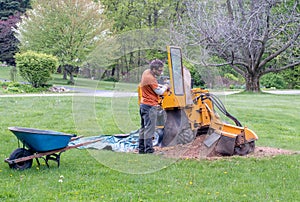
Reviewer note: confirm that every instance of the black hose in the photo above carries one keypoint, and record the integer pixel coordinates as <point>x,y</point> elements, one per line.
<point>218,103</point>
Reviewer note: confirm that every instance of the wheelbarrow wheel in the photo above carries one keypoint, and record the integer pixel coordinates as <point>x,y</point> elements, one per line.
<point>19,153</point>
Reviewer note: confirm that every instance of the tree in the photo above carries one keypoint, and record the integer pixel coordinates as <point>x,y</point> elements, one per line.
<point>254,37</point>
<point>9,17</point>
<point>128,15</point>
<point>67,29</point>
<point>8,42</point>
<point>12,7</point>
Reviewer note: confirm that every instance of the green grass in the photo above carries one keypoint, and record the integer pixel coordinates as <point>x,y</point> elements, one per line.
<point>275,118</point>
<point>93,84</point>
<point>235,180</point>
<point>91,175</point>
<point>57,80</point>
<point>5,72</point>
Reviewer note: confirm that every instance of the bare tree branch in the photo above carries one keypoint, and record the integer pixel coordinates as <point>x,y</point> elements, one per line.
<point>248,35</point>
<point>286,46</point>
<point>281,68</point>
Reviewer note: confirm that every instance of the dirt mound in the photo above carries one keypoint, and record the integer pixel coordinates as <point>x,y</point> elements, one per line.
<point>197,150</point>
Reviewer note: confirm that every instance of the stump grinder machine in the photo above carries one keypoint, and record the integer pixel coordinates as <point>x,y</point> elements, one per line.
<point>190,112</point>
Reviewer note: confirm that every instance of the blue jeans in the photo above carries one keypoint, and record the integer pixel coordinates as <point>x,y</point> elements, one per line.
<point>148,123</point>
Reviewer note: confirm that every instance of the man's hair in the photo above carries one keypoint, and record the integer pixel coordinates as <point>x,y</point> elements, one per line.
<point>155,64</point>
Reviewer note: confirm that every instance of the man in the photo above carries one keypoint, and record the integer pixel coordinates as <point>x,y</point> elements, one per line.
<point>149,92</point>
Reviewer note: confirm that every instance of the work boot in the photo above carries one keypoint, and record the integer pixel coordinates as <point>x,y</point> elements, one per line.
<point>149,146</point>
<point>141,146</point>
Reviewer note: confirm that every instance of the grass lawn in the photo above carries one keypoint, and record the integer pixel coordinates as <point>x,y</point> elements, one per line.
<point>5,72</point>
<point>94,84</point>
<point>57,80</point>
<point>90,175</point>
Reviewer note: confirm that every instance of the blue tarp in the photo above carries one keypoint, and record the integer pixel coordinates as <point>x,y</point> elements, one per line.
<point>119,143</point>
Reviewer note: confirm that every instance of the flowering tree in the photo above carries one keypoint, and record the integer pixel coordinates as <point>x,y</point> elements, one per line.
<point>12,7</point>
<point>9,16</point>
<point>8,42</point>
<point>67,29</point>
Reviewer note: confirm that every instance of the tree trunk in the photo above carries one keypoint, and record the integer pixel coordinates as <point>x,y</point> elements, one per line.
<point>65,74</point>
<point>113,71</point>
<point>69,69</point>
<point>71,78</point>
<point>252,83</point>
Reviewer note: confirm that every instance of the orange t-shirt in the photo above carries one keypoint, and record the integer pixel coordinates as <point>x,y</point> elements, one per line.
<point>147,85</point>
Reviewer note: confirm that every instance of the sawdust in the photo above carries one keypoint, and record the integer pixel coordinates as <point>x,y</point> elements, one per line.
<point>197,150</point>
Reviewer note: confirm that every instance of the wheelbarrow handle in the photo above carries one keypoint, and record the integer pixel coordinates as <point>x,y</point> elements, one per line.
<point>75,138</point>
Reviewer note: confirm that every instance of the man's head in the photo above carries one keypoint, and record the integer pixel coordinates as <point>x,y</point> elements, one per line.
<point>157,67</point>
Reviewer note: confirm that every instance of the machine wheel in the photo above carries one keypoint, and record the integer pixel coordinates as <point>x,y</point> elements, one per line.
<point>19,153</point>
<point>177,129</point>
<point>245,149</point>
<point>185,136</point>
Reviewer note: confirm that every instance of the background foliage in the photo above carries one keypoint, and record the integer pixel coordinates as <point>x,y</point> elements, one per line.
<point>9,16</point>
<point>124,16</point>
<point>68,30</point>
<point>252,37</point>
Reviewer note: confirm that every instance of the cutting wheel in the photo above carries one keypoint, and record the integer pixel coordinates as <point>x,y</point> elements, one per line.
<point>244,149</point>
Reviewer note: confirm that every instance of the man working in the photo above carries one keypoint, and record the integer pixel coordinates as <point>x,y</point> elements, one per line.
<point>150,90</point>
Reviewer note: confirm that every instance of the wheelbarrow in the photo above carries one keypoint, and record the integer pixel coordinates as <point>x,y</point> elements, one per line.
<point>45,144</point>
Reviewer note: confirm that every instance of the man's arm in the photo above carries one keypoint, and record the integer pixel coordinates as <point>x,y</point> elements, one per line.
<point>161,89</point>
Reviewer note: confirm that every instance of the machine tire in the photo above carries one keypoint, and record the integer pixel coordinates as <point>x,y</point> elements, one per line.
<point>177,129</point>
<point>245,149</point>
<point>185,136</point>
<point>19,153</point>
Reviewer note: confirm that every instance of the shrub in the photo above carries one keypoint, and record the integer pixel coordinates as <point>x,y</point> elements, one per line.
<point>15,87</point>
<point>195,74</point>
<point>231,77</point>
<point>36,68</point>
<point>112,79</point>
<point>273,80</point>
<point>292,77</point>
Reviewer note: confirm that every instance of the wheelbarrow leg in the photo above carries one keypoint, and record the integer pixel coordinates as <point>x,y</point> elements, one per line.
<point>46,160</point>
<point>53,157</point>
<point>38,162</point>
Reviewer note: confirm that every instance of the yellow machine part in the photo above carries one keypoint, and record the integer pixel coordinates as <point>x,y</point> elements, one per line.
<point>202,114</point>
<point>176,98</point>
<point>199,113</point>
<point>232,131</point>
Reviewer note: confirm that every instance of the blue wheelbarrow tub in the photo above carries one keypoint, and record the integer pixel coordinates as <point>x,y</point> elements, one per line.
<point>41,140</point>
